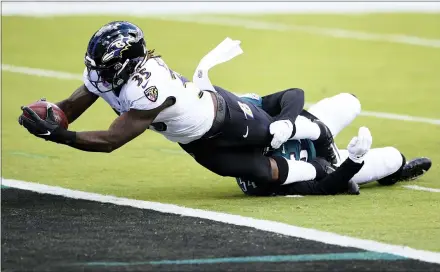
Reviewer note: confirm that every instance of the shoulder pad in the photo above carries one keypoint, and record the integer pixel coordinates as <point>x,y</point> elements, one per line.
<point>147,95</point>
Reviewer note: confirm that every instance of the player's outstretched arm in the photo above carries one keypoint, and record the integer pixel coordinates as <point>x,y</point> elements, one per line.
<point>126,127</point>
<point>80,100</point>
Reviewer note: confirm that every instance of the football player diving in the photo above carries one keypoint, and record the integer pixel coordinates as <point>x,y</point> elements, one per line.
<point>224,133</point>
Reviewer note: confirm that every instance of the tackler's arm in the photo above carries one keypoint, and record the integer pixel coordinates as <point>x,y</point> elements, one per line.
<point>285,105</point>
<point>332,180</point>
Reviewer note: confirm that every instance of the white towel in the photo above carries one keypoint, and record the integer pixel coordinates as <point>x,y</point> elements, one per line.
<point>225,51</point>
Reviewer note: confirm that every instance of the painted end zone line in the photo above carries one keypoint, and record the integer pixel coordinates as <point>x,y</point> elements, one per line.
<point>70,76</point>
<point>271,226</point>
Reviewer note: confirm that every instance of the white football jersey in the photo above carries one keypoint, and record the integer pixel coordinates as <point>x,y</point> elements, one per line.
<point>187,120</point>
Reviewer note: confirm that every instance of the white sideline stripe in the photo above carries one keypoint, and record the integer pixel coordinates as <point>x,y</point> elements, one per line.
<point>420,188</point>
<point>69,76</point>
<point>271,226</point>
<point>323,31</point>
<point>40,72</point>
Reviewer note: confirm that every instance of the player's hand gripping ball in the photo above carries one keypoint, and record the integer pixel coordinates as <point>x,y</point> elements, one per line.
<point>41,109</point>
<point>44,120</point>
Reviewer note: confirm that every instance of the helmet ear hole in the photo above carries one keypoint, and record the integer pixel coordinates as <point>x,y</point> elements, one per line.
<point>121,67</point>
<point>128,69</point>
<point>117,66</point>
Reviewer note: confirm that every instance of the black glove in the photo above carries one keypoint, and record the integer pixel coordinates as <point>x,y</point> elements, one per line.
<point>47,129</point>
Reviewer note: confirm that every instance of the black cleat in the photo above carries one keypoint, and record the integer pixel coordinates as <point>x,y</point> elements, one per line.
<point>415,168</point>
<point>411,170</point>
<point>325,145</point>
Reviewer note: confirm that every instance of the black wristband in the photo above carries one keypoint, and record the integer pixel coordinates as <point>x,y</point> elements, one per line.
<point>63,136</point>
<point>69,137</point>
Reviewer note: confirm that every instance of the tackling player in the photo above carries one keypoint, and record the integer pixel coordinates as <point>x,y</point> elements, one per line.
<point>385,165</point>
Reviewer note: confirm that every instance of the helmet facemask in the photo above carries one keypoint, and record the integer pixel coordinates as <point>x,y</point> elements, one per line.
<point>105,79</point>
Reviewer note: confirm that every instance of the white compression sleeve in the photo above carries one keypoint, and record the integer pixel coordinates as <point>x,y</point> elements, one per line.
<point>306,129</point>
<point>300,171</point>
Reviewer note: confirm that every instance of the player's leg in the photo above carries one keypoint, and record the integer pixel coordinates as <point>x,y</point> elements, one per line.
<point>336,181</point>
<point>309,187</point>
<point>332,114</point>
<point>260,175</point>
<point>388,166</point>
<point>337,112</point>
<point>246,162</point>
<point>411,170</point>
<point>251,164</point>
<point>252,188</point>
<point>378,164</point>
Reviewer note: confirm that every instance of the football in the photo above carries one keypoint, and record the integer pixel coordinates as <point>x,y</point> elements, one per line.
<point>40,108</point>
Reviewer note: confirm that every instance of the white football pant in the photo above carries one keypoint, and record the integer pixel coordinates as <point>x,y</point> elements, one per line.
<point>339,111</point>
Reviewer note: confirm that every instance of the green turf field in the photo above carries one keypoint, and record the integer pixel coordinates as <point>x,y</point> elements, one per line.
<point>387,77</point>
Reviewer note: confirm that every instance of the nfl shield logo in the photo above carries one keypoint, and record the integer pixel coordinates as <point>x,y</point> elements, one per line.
<point>152,93</point>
